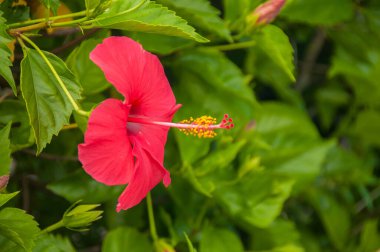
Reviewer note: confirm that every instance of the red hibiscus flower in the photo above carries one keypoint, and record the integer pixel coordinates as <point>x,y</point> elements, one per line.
<point>124,142</point>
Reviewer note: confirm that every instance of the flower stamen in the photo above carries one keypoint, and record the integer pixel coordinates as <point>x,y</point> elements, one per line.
<point>202,127</point>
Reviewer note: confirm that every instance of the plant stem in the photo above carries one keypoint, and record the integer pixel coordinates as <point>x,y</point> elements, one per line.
<point>59,80</point>
<point>34,21</point>
<point>235,46</point>
<point>152,224</point>
<point>69,23</point>
<point>53,227</point>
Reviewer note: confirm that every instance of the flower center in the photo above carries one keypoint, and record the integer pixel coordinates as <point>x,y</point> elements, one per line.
<point>202,127</point>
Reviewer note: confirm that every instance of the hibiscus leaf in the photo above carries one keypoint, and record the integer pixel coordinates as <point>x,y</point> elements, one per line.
<point>220,240</point>
<point>318,12</point>
<point>53,243</point>
<point>199,13</point>
<point>5,197</point>
<point>5,53</point>
<point>90,76</point>
<point>276,45</point>
<point>51,5</point>
<point>126,239</point>
<point>17,230</point>
<point>47,104</point>
<point>145,16</point>
<point>5,152</point>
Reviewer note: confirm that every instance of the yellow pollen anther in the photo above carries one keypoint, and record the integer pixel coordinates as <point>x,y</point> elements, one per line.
<point>201,128</point>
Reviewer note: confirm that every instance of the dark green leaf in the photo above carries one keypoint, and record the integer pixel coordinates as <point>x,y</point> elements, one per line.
<point>90,76</point>
<point>5,53</point>
<point>80,186</point>
<point>220,240</point>
<point>201,14</point>
<point>318,12</point>
<point>17,230</point>
<point>21,134</point>
<point>47,104</point>
<point>145,16</point>
<point>126,239</point>
<point>334,216</point>
<point>161,44</point>
<point>256,199</point>
<point>5,151</point>
<point>51,243</point>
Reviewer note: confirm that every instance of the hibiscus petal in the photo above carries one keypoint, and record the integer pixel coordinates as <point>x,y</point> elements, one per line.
<point>149,172</point>
<point>137,74</point>
<point>106,153</point>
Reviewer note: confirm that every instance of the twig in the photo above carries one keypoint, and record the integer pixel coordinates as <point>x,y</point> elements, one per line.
<point>311,56</point>
<point>362,204</point>
<point>25,193</point>
<point>49,156</point>
<point>74,42</point>
<point>7,92</point>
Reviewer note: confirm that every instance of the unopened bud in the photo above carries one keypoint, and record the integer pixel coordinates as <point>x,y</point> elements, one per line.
<point>3,182</point>
<point>265,13</point>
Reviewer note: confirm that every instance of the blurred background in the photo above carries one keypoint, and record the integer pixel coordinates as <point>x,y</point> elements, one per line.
<point>300,170</point>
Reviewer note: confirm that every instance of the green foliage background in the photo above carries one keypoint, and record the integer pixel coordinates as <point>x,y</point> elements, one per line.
<point>299,172</point>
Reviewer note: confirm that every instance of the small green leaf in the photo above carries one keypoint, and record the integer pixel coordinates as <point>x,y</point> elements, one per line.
<point>5,53</point>
<point>5,151</point>
<point>220,240</point>
<point>91,4</point>
<point>126,239</point>
<point>53,243</point>
<point>51,5</point>
<point>5,197</point>
<point>274,42</point>
<point>145,16</point>
<point>17,230</point>
<point>47,104</point>
<point>90,76</point>
<point>201,14</point>
<point>189,244</point>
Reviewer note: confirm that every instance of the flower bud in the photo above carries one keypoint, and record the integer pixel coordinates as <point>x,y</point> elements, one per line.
<point>79,217</point>
<point>265,13</point>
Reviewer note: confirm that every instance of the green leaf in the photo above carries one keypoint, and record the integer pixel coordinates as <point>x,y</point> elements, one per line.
<point>366,127</point>
<point>208,81</point>
<point>5,197</point>
<point>261,207</point>
<point>220,240</point>
<point>5,53</point>
<point>370,236</point>
<point>80,186</point>
<point>21,134</point>
<point>17,230</point>
<point>189,244</point>
<point>89,75</point>
<point>126,239</point>
<point>145,16</point>
<point>201,14</point>
<point>91,4</point>
<point>274,42</point>
<point>160,44</point>
<point>334,216</point>
<point>51,5</point>
<point>53,243</point>
<point>318,12</point>
<point>5,152</point>
<point>47,104</point>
